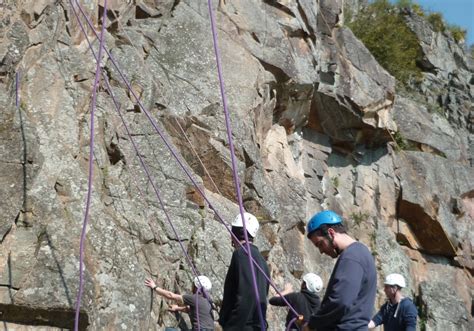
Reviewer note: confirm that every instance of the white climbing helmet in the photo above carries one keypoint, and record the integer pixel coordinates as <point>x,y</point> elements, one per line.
<point>251,223</point>
<point>204,282</point>
<point>314,283</point>
<point>395,279</point>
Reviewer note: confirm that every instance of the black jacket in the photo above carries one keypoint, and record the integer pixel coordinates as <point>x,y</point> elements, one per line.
<point>239,309</point>
<point>305,303</point>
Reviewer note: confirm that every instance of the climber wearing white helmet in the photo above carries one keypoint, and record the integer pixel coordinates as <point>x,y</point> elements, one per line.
<point>306,302</point>
<point>239,310</point>
<point>189,302</point>
<point>398,313</point>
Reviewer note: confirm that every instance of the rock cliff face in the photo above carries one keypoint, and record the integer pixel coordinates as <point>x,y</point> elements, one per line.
<point>314,119</point>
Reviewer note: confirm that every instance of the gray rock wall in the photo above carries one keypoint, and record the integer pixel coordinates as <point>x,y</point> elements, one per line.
<point>314,120</point>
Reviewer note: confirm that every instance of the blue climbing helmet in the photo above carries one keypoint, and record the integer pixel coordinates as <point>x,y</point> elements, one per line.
<point>320,218</point>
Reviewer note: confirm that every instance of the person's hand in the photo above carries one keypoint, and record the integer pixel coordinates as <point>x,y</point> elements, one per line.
<point>300,321</point>
<point>173,308</point>
<point>288,288</point>
<point>150,283</point>
<point>371,324</point>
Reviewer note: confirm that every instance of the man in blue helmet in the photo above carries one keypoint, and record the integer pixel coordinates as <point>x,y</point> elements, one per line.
<point>350,294</point>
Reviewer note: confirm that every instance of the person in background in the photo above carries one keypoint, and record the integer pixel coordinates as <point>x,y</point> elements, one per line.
<point>189,302</point>
<point>350,293</point>
<point>306,302</point>
<point>398,313</point>
<point>239,311</point>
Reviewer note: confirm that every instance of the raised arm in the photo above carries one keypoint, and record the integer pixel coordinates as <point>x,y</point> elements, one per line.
<point>277,300</point>
<point>177,308</point>
<point>164,293</point>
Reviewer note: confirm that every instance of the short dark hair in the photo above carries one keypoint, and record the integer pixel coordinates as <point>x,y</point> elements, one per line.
<point>398,287</point>
<point>323,229</point>
<point>239,233</point>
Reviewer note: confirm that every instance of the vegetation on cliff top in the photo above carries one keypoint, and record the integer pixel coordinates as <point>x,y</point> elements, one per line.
<point>381,26</point>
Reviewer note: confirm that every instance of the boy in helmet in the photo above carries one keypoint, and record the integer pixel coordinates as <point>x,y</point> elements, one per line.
<point>306,302</point>
<point>239,310</point>
<point>398,313</point>
<point>350,293</point>
<point>189,303</point>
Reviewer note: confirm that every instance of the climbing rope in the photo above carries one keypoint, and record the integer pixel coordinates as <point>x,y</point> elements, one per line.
<point>140,159</point>
<point>91,170</point>
<point>292,322</point>
<point>234,164</point>
<point>183,133</point>
<point>175,154</point>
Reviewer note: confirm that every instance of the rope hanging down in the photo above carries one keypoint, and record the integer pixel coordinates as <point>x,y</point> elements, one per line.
<point>234,165</point>
<point>129,39</point>
<point>137,152</point>
<point>144,166</point>
<point>91,170</point>
<point>174,153</point>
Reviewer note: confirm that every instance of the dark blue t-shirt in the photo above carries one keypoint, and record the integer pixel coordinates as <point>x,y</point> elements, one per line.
<point>350,294</point>
<point>395,318</point>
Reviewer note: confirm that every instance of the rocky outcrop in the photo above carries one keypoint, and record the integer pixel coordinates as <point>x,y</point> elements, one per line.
<point>448,77</point>
<point>442,299</point>
<point>429,132</point>
<point>434,214</point>
<point>313,116</point>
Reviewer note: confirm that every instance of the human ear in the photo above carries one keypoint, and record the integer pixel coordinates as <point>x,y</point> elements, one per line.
<point>331,234</point>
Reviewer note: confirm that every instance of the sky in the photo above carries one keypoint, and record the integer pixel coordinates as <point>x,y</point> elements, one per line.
<point>459,12</point>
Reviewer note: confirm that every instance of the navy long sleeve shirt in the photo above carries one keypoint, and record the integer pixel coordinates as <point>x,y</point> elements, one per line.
<point>350,294</point>
<point>396,318</point>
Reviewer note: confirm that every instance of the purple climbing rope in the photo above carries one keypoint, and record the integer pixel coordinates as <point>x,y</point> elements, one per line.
<point>234,164</point>
<point>150,179</point>
<point>143,164</point>
<point>175,154</point>
<point>293,320</point>
<point>91,170</point>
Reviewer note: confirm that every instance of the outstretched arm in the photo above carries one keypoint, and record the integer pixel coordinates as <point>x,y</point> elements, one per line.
<point>378,318</point>
<point>164,293</point>
<point>278,300</point>
<point>287,290</point>
<point>179,308</point>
